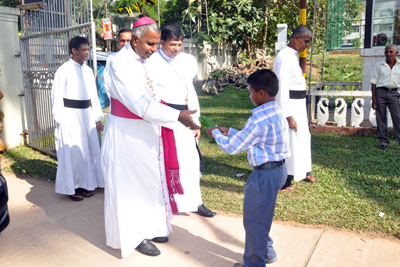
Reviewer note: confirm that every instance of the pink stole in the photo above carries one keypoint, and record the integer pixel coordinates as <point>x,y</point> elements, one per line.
<point>171,163</point>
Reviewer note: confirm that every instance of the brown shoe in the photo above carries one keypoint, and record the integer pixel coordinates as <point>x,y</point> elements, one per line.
<point>310,179</point>
<point>289,188</point>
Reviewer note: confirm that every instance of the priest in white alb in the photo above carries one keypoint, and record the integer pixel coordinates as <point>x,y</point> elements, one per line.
<point>292,100</point>
<point>139,159</point>
<point>175,72</point>
<point>77,112</point>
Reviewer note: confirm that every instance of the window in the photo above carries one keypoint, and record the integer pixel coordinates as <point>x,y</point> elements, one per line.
<point>386,13</point>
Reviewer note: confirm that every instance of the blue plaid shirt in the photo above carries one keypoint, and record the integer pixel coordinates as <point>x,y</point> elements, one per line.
<point>265,136</point>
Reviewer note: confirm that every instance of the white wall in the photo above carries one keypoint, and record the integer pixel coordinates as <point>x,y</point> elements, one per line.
<point>11,78</point>
<point>217,57</point>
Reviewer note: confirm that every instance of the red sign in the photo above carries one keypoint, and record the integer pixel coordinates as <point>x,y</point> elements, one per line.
<point>107,31</point>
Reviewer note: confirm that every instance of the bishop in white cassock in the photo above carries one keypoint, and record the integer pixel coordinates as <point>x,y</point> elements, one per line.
<point>291,99</point>
<point>138,205</point>
<point>175,72</point>
<point>77,112</point>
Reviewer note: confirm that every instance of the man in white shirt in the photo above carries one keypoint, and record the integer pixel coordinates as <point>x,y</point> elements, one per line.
<point>174,76</point>
<point>76,109</point>
<point>292,100</point>
<point>385,82</point>
<point>140,182</point>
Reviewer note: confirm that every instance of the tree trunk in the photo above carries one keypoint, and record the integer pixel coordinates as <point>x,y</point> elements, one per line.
<point>199,17</point>
<point>264,40</point>
<point>247,47</point>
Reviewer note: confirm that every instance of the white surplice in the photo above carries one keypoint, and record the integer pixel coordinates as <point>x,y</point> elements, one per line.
<point>77,142</point>
<point>290,75</point>
<point>174,79</point>
<point>136,204</point>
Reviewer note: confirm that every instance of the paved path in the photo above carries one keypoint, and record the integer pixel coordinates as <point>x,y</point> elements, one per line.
<point>48,229</point>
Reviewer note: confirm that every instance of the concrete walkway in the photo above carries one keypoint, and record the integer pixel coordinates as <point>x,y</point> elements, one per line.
<point>48,229</point>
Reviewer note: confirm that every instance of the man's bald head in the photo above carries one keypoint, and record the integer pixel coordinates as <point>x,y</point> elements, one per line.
<point>395,47</point>
<point>301,38</point>
<point>391,54</point>
<point>300,32</point>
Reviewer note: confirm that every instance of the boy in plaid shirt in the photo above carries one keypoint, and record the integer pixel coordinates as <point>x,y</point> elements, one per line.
<point>265,138</point>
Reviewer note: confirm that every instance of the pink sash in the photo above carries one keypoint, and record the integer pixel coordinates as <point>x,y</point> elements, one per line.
<point>171,163</point>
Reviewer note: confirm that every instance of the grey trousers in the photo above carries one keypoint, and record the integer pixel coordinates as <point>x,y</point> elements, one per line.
<point>391,100</point>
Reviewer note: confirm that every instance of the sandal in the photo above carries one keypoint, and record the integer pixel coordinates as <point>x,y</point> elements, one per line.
<point>289,188</point>
<point>310,179</point>
<point>84,192</point>
<point>76,197</point>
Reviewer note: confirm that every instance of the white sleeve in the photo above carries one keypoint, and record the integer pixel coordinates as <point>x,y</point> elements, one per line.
<point>129,88</point>
<point>193,100</point>
<point>282,70</point>
<point>57,95</point>
<point>105,76</point>
<point>94,98</point>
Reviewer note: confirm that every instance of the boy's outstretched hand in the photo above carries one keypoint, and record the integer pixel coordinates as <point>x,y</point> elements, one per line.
<point>224,130</point>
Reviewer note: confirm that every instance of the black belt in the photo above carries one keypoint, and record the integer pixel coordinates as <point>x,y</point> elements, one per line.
<point>178,107</point>
<point>388,89</point>
<point>70,103</point>
<point>270,165</point>
<point>185,107</point>
<point>297,94</point>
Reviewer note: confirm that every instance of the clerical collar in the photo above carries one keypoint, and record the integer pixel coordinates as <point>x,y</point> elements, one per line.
<point>167,58</point>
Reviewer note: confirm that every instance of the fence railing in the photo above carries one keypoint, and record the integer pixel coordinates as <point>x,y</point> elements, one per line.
<point>322,100</point>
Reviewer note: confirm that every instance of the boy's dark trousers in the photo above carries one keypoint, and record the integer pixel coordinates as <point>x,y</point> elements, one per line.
<point>260,194</point>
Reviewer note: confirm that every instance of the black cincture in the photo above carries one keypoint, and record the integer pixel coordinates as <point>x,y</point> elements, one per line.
<point>185,107</point>
<point>270,165</point>
<point>81,104</point>
<point>297,94</point>
<point>178,107</point>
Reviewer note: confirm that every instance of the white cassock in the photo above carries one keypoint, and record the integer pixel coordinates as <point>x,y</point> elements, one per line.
<point>77,142</point>
<point>136,204</point>
<point>174,78</point>
<point>290,75</point>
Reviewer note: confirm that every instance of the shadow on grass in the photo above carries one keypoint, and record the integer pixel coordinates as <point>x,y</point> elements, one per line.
<point>27,161</point>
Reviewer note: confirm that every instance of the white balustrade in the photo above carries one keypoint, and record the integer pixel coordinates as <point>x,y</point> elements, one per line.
<point>340,112</point>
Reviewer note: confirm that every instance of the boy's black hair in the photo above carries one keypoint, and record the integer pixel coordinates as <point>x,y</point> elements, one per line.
<point>123,30</point>
<point>265,80</point>
<point>76,42</point>
<point>171,32</point>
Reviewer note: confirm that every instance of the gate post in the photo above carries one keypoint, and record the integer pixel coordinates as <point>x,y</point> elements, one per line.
<point>11,83</point>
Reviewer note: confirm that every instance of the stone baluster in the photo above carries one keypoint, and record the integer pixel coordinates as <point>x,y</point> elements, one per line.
<point>357,112</point>
<point>322,112</point>
<point>340,112</point>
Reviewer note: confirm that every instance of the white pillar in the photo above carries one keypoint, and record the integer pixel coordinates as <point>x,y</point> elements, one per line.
<point>11,83</point>
<point>282,37</point>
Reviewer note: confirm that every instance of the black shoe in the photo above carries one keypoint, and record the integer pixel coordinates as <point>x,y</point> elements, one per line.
<point>383,147</point>
<point>161,239</point>
<point>269,261</point>
<point>148,248</point>
<point>203,211</point>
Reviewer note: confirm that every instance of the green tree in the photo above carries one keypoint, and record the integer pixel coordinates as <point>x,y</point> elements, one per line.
<point>356,42</point>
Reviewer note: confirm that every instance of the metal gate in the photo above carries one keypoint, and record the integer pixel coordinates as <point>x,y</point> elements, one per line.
<point>46,30</point>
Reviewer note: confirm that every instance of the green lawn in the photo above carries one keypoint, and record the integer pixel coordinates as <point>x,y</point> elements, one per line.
<point>356,181</point>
